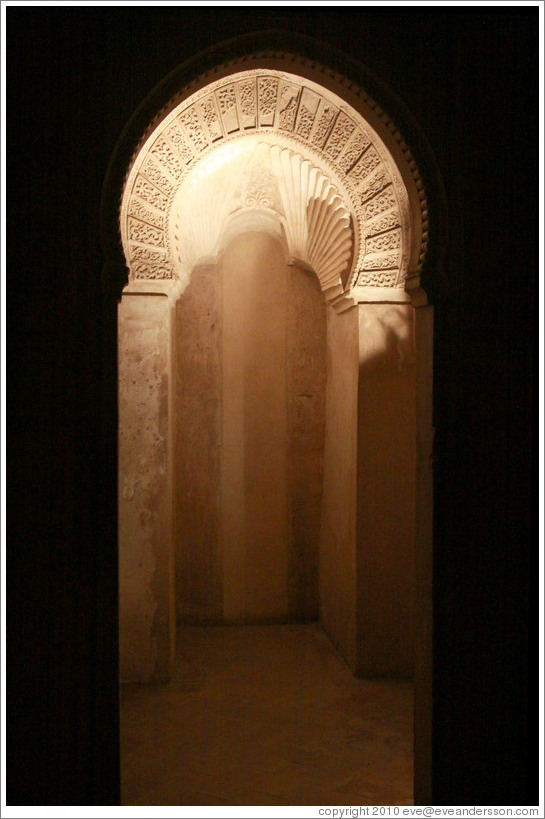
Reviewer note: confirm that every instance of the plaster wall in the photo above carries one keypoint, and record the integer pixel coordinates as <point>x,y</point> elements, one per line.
<point>386,490</point>
<point>144,488</point>
<point>254,495</point>
<point>338,530</point>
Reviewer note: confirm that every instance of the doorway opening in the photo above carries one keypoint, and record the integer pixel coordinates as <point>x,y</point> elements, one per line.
<point>275,354</point>
<point>251,366</point>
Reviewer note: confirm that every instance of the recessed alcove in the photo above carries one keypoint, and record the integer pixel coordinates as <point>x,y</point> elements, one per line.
<point>250,417</point>
<point>275,378</point>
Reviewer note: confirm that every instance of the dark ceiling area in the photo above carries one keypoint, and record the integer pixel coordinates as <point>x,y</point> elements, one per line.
<point>75,76</point>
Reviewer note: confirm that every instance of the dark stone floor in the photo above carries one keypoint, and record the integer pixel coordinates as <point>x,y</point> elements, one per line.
<point>265,715</point>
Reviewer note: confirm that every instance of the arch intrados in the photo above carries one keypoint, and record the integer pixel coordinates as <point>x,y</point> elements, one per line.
<point>253,220</point>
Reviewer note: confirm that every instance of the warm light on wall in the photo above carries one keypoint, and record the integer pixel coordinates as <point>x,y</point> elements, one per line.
<point>267,152</point>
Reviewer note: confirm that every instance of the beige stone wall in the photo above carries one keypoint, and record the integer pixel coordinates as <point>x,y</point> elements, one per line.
<point>338,533</point>
<point>367,571</point>
<point>197,378</point>
<point>386,490</point>
<point>306,357</point>
<point>144,499</point>
<point>250,376</point>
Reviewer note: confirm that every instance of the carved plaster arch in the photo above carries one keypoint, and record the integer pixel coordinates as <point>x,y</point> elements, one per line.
<point>290,117</point>
<point>293,148</point>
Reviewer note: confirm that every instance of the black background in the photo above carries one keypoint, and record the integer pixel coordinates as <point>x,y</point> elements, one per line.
<point>74,78</point>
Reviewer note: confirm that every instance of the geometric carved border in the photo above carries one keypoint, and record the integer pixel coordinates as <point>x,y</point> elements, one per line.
<point>294,113</point>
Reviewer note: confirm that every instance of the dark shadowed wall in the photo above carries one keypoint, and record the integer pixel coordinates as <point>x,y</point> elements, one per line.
<point>74,77</point>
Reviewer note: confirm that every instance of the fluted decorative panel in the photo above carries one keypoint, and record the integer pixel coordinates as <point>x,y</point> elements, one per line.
<point>317,222</point>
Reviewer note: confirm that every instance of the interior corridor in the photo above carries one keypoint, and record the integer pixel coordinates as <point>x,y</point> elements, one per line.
<point>265,715</point>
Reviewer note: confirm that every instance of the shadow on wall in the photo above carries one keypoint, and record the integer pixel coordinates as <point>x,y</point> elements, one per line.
<point>387,344</point>
<point>386,492</point>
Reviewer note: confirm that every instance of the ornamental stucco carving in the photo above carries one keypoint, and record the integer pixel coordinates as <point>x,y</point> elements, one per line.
<point>275,142</point>
<point>318,224</point>
<point>263,186</point>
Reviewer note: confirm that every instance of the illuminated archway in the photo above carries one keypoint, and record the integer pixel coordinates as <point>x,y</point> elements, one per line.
<point>311,143</point>
<point>278,142</point>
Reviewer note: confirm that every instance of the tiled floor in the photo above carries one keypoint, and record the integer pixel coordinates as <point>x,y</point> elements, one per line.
<point>265,715</point>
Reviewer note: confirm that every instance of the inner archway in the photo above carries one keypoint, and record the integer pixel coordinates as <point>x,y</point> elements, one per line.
<point>324,180</point>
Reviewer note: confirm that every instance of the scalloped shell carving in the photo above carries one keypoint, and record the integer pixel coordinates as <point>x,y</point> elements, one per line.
<point>257,176</point>
<point>317,222</point>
